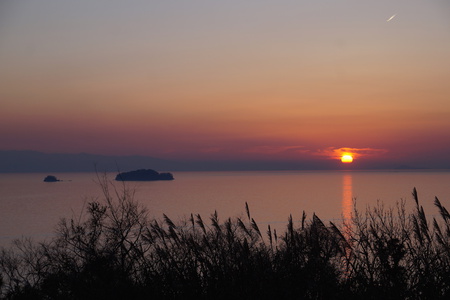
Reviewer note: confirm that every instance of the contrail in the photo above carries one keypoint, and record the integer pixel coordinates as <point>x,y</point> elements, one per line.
<point>391,18</point>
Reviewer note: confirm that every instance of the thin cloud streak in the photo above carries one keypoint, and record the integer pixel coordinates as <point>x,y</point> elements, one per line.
<point>275,149</point>
<point>393,16</point>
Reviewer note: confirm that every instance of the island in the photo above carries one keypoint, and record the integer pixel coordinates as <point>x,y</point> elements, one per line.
<point>143,175</point>
<point>51,178</point>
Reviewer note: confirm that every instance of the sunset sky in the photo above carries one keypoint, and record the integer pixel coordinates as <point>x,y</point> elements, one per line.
<point>228,80</point>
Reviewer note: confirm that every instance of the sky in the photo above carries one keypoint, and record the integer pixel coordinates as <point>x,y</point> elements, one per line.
<point>266,81</point>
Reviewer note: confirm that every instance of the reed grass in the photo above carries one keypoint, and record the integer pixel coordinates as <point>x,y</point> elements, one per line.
<point>115,251</point>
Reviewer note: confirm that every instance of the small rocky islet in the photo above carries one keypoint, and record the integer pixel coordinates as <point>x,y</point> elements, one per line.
<point>51,178</point>
<point>143,175</point>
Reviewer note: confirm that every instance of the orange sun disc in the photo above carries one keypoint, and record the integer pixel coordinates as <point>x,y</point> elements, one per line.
<point>346,158</point>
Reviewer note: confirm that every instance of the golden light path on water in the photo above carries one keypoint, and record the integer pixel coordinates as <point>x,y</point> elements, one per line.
<point>347,204</point>
<point>347,195</point>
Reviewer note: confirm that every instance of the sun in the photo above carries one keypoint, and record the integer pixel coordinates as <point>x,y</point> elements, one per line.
<point>347,158</point>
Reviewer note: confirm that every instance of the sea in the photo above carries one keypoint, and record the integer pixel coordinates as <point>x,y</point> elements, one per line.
<point>32,208</point>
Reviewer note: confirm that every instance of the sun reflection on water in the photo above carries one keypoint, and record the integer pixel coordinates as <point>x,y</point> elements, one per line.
<point>347,205</point>
<point>347,196</point>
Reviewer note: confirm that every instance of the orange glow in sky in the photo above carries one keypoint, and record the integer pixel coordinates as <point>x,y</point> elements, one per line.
<point>297,81</point>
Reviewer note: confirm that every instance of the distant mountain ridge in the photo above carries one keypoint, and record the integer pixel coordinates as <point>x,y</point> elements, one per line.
<point>18,161</point>
<point>28,161</point>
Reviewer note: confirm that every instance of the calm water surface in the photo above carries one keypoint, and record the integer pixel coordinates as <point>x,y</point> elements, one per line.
<point>31,207</point>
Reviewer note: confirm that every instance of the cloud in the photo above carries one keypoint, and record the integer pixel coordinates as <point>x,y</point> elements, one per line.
<point>336,153</point>
<point>275,149</point>
<point>391,18</point>
<point>211,150</point>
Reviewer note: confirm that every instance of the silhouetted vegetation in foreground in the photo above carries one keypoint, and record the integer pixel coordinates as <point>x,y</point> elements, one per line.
<point>116,251</point>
